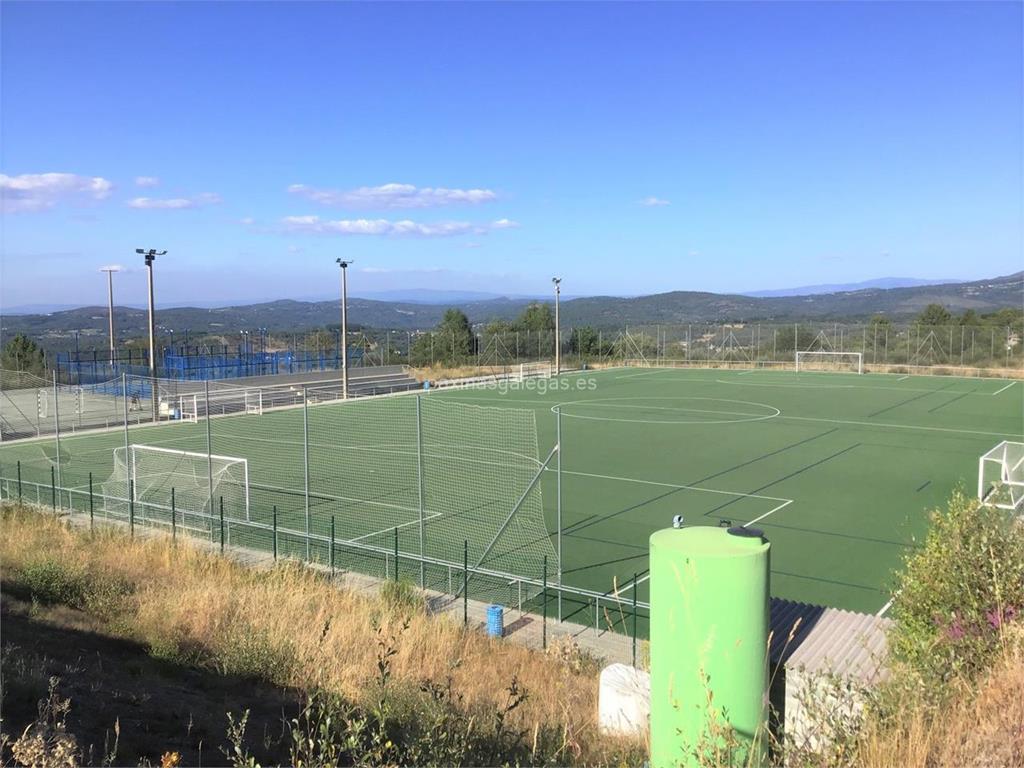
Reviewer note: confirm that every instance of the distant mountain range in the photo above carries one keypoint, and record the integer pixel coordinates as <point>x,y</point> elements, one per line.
<point>881,282</point>
<point>598,311</point>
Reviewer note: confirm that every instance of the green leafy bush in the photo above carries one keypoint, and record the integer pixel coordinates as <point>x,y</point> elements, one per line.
<point>52,582</point>
<point>956,594</point>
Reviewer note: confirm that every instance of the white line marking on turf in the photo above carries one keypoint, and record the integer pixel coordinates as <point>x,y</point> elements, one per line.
<point>427,519</point>
<point>769,512</point>
<point>903,378</point>
<point>629,586</point>
<point>1004,388</point>
<point>902,426</point>
<point>885,608</point>
<point>674,485</point>
<point>647,373</point>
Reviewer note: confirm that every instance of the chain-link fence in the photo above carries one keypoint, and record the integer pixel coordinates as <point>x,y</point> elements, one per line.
<point>882,345</point>
<point>412,475</point>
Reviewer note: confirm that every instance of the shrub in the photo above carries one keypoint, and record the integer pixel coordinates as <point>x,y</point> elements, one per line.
<point>957,592</point>
<point>402,596</point>
<point>53,582</point>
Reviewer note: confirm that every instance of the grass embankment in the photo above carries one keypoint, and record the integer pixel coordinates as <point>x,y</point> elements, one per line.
<point>353,677</point>
<point>955,696</point>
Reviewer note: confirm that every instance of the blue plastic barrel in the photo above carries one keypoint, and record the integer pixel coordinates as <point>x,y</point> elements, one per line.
<point>495,620</point>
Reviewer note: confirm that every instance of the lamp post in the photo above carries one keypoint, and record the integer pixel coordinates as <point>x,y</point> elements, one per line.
<point>557,281</point>
<point>150,256</point>
<point>110,306</point>
<point>344,326</point>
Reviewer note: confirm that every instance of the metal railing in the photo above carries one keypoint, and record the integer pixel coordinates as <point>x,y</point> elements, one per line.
<point>621,612</point>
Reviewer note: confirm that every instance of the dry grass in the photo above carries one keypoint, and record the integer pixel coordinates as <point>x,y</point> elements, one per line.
<point>981,725</point>
<point>292,627</point>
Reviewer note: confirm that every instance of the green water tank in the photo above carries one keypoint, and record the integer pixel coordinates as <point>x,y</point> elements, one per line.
<point>709,644</point>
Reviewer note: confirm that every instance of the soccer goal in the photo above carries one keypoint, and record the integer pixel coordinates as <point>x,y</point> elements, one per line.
<point>536,370</point>
<point>147,475</point>
<point>188,408</point>
<point>836,362</point>
<point>254,401</point>
<point>1001,476</point>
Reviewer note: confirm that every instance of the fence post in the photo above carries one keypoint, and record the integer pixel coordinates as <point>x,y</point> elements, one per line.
<point>53,489</point>
<point>634,619</point>
<point>396,553</point>
<point>131,507</point>
<point>209,451</point>
<point>174,518</point>
<point>90,503</point>
<point>465,582</point>
<point>56,424</point>
<point>275,533</point>
<point>222,524</point>
<point>305,460</point>
<point>544,603</point>
<point>19,481</point>
<point>419,473</point>
<point>332,546</point>
<point>558,503</point>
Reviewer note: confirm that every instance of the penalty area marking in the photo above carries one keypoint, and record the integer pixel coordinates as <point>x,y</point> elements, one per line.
<point>1004,388</point>
<point>885,608</point>
<point>784,501</point>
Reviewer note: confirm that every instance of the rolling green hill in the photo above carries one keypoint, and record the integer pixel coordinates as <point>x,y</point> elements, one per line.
<point>597,311</point>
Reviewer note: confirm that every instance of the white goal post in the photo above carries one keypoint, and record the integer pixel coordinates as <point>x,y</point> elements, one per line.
<point>188,408</point>
<point>147,475</point>
<point>254,401</point>
<point>847,362</point>
<point>1001,476</point>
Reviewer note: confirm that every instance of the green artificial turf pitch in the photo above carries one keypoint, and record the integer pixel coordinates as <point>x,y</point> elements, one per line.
<point>839,470</point>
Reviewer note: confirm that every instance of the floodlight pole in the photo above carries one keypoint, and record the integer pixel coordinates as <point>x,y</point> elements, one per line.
<point>150,256</point>
<point>344,326</point>
<point>110,306</point>
<point>558,340</point>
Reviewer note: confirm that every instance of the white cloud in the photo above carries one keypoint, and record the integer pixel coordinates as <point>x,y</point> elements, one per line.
<point>175,203</point>
<point>654,202</point>
<point>247,221</point>
<point>388,227</point>
<point>504,224</point>
<point>393,196</point>
<point>147,181</point>
<point>41,191</point>
<point>404,227</point>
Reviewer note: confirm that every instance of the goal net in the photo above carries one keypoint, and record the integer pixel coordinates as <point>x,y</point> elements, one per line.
<point>254,401</point>
<point>147,474</point>
<point>836,362</point>
<point>537,370</point>
<point>1001,476</point>
<point>188,408</point>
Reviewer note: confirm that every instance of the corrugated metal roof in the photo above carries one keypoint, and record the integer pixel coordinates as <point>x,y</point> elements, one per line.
<point>817,639</point>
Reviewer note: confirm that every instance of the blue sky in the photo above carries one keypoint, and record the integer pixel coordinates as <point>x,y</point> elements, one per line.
<point>629,148</point>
